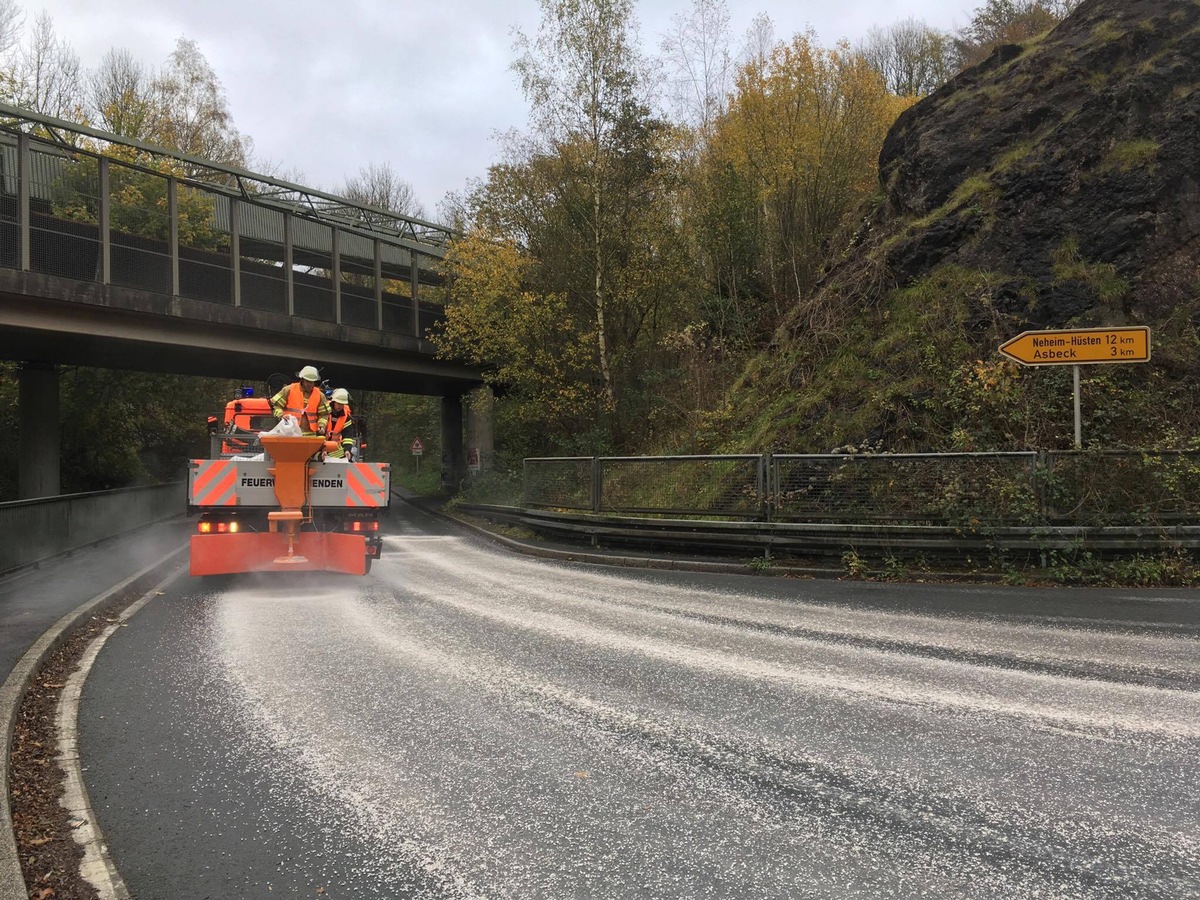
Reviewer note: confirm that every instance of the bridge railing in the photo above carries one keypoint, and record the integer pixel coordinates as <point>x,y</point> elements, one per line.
<point>80,214</point>
<point>34,530</point>
<point>974,490</point>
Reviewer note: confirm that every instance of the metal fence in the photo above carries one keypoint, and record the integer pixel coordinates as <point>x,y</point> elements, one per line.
<point>82,215</point>
<point>974,490</point>
<point>33,530</point>
<point>905,487</point>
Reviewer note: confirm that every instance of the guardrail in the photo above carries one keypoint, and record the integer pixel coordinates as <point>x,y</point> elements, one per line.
<point>35,530</point>
<point>832,540</point>
<point>968,490</point>
<point>219,235</point>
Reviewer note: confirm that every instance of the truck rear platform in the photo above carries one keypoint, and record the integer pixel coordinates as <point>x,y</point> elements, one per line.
<point>290,510</point>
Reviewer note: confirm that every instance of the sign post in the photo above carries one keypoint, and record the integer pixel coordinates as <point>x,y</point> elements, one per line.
<point>1078,346</point>
<point>417,449</point>
<point>1079,415</point>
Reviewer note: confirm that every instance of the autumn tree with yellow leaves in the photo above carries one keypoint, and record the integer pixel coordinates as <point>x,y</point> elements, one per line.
<point>528,340</point>
<point>640,256</point>
<point>794,158</point>
<point>589,200</point>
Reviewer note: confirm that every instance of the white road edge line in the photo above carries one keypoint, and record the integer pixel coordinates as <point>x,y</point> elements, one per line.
<point>96,867</point>
<point>12,881</point>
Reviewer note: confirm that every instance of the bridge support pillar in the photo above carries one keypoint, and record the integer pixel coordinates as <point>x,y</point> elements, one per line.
<point>452,443</point>
<point>39,433</point>
<point>480,430</point>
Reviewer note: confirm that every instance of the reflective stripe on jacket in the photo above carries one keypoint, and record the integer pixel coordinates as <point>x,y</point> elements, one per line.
<point>312,414</point>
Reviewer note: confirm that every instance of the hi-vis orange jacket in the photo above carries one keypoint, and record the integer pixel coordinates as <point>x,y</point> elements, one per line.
<point>312,415</point>
<point>343,432</point>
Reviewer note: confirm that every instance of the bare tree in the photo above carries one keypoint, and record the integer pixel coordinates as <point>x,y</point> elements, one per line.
<point>196,119</point>
<point>454,209</point>
<point>999,22</point>
<point>697,53</point>
<point>121,94</point>
<point>379,185</point>
<point>12,22</point>
<point>913,58</point>
<point>758,43</point>
<point>47,73</point>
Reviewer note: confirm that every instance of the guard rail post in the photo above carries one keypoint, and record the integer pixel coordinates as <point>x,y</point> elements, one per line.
<point>289,274</point>
<point>235,251</point>
<point>1039,477</point>
<point>335,275</point>
<point>414,287</point>
<point>597,490</point>
<point>1041,469</point>
<point>173,231</point>
<point>105,223</point>
<point>378,285</point>
<point>770,479</point>
<point>764,479</point>
<point>24,187</point>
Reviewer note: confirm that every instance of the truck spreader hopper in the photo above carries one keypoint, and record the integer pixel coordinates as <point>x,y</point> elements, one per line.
<point>291,473</point>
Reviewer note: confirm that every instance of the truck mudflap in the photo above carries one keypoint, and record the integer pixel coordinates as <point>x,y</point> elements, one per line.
<point>267,551</point>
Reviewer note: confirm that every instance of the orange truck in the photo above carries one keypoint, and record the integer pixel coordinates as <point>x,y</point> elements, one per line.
<point>272,503</point>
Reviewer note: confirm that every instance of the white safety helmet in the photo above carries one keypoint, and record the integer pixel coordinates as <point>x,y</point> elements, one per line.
<point>341,395</point>
<point>309,373</point>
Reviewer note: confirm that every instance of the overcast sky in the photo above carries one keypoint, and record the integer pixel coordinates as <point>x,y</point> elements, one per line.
<point>323,88</point>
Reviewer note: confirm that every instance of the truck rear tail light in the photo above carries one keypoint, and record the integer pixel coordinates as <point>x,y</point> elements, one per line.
<point>209,527</point>
<point>364,525</point>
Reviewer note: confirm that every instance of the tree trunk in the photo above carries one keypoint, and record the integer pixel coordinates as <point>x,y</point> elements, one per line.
<point>601,335</point>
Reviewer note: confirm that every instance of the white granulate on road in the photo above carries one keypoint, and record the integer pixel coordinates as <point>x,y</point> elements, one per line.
<point>482,725</point>
<point>1062,702</point>
<point>1060,645</point>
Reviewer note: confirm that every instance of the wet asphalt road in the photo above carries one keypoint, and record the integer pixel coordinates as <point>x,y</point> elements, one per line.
<point>464,722</point>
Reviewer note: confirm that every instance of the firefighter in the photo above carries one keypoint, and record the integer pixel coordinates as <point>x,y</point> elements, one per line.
<point>304,402</point>
<point>342,430</point>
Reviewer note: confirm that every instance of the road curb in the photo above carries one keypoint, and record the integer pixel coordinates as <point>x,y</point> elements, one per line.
<point>97,867</point>
<point>12,881</point>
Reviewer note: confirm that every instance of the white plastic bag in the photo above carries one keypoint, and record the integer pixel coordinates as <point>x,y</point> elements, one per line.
<point>287,427</point>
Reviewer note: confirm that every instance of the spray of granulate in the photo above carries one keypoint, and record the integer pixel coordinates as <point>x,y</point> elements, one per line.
<point>512,729</point>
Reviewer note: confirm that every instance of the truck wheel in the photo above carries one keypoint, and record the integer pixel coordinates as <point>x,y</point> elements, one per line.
<point>368,569</point>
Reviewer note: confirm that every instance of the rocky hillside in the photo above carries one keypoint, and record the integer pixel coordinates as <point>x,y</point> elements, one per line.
<point>1057,184</point>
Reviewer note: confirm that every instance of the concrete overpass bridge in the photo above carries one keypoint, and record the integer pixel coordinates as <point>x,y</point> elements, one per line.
<point>117,254</point>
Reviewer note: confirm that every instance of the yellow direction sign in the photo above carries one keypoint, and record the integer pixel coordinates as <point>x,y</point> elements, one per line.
<point>1079,346</point>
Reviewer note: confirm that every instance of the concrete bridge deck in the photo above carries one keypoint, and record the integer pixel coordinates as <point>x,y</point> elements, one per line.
<point>121,255</point>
